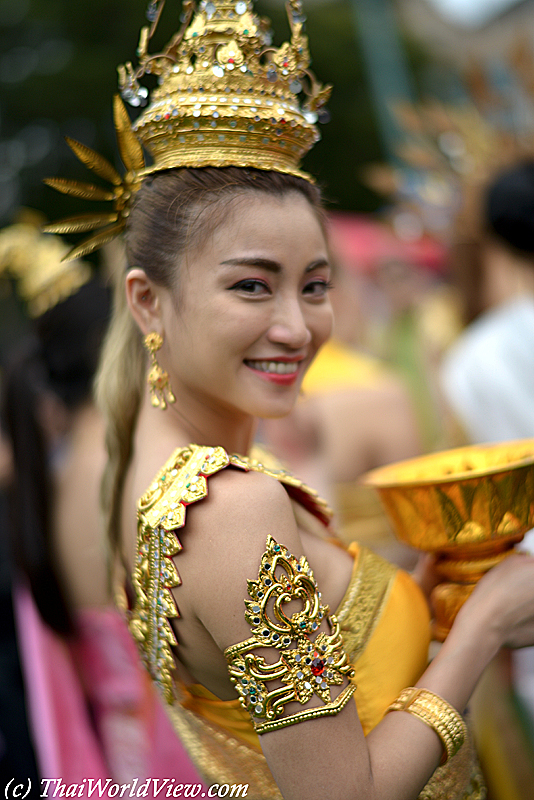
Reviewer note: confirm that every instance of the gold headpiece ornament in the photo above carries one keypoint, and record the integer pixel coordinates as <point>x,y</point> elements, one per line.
<point>225,97</point>
<point>35,261</point>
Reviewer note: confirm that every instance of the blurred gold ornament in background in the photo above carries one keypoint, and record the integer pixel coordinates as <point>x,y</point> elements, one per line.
<point>35,261</point>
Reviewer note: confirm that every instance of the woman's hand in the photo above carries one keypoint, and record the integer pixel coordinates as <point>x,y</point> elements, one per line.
<point>425,574</point>
<point>503,602</point>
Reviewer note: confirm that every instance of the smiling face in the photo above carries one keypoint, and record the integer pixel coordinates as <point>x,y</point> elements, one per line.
<point>250,309</point>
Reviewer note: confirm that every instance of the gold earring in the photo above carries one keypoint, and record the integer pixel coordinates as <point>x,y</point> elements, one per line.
<point>157,378</point>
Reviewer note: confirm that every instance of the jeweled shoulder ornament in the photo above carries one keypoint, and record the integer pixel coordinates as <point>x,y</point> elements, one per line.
<point>225,97</point>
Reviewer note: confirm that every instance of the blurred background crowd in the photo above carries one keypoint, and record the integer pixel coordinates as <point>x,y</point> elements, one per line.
<point>428,166</point>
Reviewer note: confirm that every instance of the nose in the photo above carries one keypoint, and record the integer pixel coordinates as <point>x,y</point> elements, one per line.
<point>289,326</point>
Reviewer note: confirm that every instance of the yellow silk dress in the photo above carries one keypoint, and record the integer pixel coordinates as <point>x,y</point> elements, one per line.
<point>383,617</point>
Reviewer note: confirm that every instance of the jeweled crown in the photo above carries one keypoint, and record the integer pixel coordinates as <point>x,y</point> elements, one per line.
<point>225,97</point>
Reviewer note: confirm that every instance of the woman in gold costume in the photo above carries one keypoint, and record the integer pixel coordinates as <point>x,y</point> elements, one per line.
<point>278,652</point>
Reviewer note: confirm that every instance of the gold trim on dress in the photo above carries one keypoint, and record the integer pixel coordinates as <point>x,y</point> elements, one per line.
<point>365,598</point>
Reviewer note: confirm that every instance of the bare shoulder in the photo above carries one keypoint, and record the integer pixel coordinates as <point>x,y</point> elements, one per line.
<point>224,539</point>
<point>239,505</point>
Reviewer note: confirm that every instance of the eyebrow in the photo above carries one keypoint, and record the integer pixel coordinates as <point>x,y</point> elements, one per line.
<point>270,265</point>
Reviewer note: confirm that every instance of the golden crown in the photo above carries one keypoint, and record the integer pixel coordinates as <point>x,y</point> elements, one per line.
<point>225,97</point>
<point>36,263</point>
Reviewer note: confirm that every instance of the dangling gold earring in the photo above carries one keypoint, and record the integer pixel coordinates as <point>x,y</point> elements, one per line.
<point>157,378</point>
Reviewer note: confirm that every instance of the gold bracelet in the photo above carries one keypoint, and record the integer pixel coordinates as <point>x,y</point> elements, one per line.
<point>437,713</point>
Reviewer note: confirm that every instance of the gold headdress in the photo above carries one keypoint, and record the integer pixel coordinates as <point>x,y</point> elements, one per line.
<point>225,97</point>
<point>34,260</point>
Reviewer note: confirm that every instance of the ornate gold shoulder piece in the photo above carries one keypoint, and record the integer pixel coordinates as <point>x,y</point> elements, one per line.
<point>263,461</point>
<point>307,664</point>
<point>182,481</point>
<point>160,512</point>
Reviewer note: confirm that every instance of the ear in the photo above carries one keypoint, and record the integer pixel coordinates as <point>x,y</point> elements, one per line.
<point>143,300</point>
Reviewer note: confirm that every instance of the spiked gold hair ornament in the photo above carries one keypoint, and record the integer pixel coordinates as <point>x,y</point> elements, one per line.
<point>158,378</point>
<point>225,97</point>
<point>35,262</point>
<point>123,188</point>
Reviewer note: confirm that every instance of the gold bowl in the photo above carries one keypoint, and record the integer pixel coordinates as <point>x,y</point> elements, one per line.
<point>468,506</point>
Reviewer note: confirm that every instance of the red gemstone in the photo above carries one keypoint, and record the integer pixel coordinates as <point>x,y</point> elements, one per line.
<point>231,61</point>
<point>167,115</point>
<point>317,665</point>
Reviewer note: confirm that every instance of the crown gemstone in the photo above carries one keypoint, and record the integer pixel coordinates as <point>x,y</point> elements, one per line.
<point>152,11</point>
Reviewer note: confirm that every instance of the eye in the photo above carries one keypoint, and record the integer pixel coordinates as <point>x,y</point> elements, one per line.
<point>318,288</point>
<point>252,287</point>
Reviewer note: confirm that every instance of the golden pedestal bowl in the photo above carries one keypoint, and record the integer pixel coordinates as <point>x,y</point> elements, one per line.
<point>468,506</point>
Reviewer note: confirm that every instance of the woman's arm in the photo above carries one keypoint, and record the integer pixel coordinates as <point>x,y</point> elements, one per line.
<point>329,756</point>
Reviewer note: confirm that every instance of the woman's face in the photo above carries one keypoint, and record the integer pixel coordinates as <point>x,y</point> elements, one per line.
<point>250,309</point>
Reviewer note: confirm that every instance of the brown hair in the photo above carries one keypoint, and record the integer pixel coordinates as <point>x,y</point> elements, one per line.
<point>58,357</point>
<point>168,219</point>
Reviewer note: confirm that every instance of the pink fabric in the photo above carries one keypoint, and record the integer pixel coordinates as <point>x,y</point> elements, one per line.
<point>361,243</point>
<point>65,743</point>
<point>127,735</point>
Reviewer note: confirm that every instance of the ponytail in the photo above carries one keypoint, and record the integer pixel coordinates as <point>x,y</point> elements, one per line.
<point>118,390</point>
